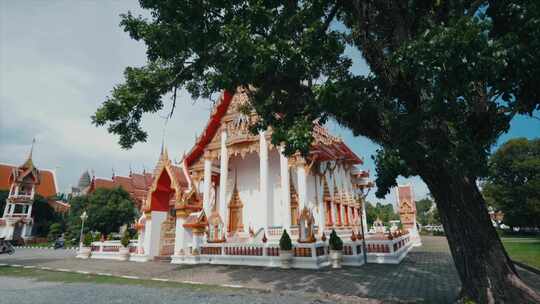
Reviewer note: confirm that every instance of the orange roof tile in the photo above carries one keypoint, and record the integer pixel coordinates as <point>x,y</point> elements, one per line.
<point>46,187</point>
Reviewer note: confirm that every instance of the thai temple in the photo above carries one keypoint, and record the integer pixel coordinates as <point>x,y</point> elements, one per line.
<point>24,182</point>
<point>234,193</point>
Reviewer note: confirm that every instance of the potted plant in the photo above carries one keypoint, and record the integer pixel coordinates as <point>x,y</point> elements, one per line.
<point>124,250</point>
<point>336,247</point>
<point>285,250</point>
<point>85,250</point>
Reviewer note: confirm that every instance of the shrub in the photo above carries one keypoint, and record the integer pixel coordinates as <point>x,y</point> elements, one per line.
<point>335,241</point>
<point>55,230</point>
<point>97,237</point>
<point>285,241</point>
<point>438,233</point>
<point>87,240</point>
<point>125,238</point>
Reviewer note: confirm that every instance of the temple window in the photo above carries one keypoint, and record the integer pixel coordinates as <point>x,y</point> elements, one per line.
<point>347,216</point>
<point>18,209</point>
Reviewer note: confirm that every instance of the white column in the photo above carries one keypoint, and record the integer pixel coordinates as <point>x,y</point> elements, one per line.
<point>29,211</point>
<point>223,177</point>
<point>207,184</point>
<point>263,167</point>
<point>285,190</point>
<point>179,243</point>
<point>333,208</point>
<point>302,184</point>
<point>153,233</point>
<point>321,203</point>
<point>6,210</point>
<point>23,233</point>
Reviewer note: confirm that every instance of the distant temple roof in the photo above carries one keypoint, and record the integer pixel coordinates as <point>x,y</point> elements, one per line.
<point>136,184</point>
<point>47,180</point>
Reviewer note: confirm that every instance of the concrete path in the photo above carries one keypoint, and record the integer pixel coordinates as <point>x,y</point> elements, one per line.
<point>426,275</point>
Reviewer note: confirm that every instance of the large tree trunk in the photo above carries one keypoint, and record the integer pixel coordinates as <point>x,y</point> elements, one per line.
<point>487,274</point>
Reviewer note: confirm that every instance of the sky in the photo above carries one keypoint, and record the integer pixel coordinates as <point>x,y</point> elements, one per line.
<point>59,61</point>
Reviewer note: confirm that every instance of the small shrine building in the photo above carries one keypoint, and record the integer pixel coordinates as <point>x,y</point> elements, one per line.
<point>24,182</point>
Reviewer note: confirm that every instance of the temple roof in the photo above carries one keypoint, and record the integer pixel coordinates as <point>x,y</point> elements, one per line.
<point>46,187</point>
<point>136,184</point>
<point>84,180</point>
<point>324,147</point>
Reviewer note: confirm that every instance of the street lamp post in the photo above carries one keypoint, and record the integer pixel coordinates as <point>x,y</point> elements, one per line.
<point>84,216</point>
<point>363,199</point>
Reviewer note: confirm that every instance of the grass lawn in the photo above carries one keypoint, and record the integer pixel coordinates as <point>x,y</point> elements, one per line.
<point>69,277</point>
<point>523,249</point>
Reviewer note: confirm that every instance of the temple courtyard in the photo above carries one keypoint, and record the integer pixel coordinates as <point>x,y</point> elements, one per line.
<point>426,275</point>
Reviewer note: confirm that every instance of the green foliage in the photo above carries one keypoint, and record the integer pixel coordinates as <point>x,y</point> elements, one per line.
<point>424,213</point>
<point>107,210</point>
<point>385,212</point>
<point>87,240</point>
<point>125,238</point>
<point>335,241</point>
<point>55,230</point>
<point>438,233</point>
<point>440,92</point>
<point>44,216</point>
<point>285,241</point>
<point>77,206</point>
<point>513,184</point>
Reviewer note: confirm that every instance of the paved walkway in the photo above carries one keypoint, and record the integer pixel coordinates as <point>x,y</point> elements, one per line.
<point>426,275</point>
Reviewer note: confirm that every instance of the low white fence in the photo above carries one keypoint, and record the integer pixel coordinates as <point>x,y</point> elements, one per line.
<point>110,250</point>
<point>305,255</point>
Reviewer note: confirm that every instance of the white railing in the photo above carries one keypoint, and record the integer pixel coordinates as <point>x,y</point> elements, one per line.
<point>111,248</point>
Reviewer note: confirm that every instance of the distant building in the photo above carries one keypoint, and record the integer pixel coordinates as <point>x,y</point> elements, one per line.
<point>23,183</point>
<point>136,184</point>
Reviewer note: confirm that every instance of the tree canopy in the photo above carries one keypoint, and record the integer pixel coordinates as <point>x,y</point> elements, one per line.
<point>107,209</point>
<point>384,212</point>
<point>446,77</point>
<point>513,183</point>
<point>425,213</point>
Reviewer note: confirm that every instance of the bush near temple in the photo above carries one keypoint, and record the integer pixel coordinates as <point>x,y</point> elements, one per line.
<point>335,241</point>
<point>107,210</point>
<point>125,238</point>
<point>87,240</point>
<point>285,241</point>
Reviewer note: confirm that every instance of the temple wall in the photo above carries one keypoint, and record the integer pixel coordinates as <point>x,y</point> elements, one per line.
<point>247,170</point>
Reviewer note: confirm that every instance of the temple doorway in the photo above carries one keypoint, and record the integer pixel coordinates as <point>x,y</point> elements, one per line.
<point>167,236</point>
<point>163,201</point>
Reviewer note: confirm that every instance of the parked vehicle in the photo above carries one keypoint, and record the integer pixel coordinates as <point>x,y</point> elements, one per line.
<point>59,243</point>
<point>6,247</point>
